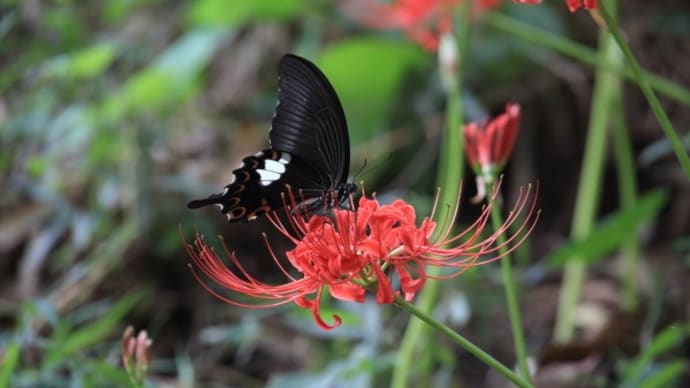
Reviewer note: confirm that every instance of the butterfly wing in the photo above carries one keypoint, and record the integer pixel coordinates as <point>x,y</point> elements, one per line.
<point>256,186</point>
<point>310,149</point>
<point>309,123</point>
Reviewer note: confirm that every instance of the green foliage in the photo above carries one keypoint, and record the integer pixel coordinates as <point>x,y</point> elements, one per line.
<point>609,234</point>
<point>668,375</point>
<point>10,359</point>
<point>100,373</point>
<point>36,165</point>
<point>367,89</point>
<point>169,80</point>
<point>116,11</point>
<point>61,19</point>
<point>68,340</point>
<point>237,13</point>
<point>356,370</point>
<point>645,372</point>
<point>74,341</point>
<point>84,64</point>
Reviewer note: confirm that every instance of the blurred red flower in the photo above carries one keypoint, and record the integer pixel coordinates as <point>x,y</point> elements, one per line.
<point>573,5</point>
<point>357,251</point>
<point>424,21</point>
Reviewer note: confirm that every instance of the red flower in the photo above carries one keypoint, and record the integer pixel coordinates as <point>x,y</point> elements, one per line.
<point>573,5</point>
<point>488,146</point>
<point>353,252</point>
<point>424,21</point>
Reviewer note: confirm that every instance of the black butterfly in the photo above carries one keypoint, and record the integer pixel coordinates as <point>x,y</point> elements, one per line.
<point>309,154</point>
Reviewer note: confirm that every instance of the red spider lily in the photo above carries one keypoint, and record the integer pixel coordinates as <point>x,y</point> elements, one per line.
<point>357,251</point>
<point>424,21</point>
<point>489,145</point>
<point>573,5</point>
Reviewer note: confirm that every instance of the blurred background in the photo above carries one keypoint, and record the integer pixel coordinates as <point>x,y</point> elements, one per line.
<point>113,115</point>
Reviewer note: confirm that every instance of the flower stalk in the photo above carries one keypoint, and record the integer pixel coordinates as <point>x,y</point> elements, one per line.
<point>464,343</point>
<point>589,187</point>
<point>512,297</point>
<point>644,84</point>
<point>450,173</point>
<point>627,187</point>
<point>489,144</point>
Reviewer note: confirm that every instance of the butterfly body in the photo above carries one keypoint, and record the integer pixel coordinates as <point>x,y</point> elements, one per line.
<point>309,154</point>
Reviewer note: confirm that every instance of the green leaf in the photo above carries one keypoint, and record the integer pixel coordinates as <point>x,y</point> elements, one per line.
<point>101,373</point>
<point>9,362</point>
<point>116,11</point>
<point>66,24</point>
<point>666,340</point>
<point>169,79</point>
<point>92,61</point>
<point>367,74</point>
<point>92,333</point>
<point>237,13</point>
<point>151,88</point>
<point>609,234</point>
<point>667,376</point>
<point>84,64</point>
<point>191,53</point>
<point>36,165</point>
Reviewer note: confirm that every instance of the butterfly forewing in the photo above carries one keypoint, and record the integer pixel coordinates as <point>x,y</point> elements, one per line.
<point>310,150</point>
<point>309,121</point>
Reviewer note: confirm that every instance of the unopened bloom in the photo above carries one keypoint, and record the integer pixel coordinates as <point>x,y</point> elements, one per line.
<point>356,251</point>
<point>136,355</point>
<point>573,5</point>
<point>488,146</point>
<point>424,21</point>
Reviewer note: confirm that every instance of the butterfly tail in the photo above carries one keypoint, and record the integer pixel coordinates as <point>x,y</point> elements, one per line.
<point>214,199</point>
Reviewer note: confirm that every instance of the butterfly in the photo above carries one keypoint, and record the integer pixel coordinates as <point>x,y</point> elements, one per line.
<point>309,151</point>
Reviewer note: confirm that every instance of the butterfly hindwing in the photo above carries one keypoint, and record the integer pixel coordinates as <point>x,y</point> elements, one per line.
<point>310,151</point>
<point>255,188</point>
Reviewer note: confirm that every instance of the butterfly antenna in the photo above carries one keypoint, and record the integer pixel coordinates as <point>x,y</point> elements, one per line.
<point>364,171</point>
<point>360,171</point>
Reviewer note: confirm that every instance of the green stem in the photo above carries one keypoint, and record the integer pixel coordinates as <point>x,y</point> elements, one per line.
<point>463,342</point>
<point>451,166</point>
<point>627,186</point>
<point>545,38</point>
<point>589,187</point>
<point>512,299</point>
<point>644,84</point>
